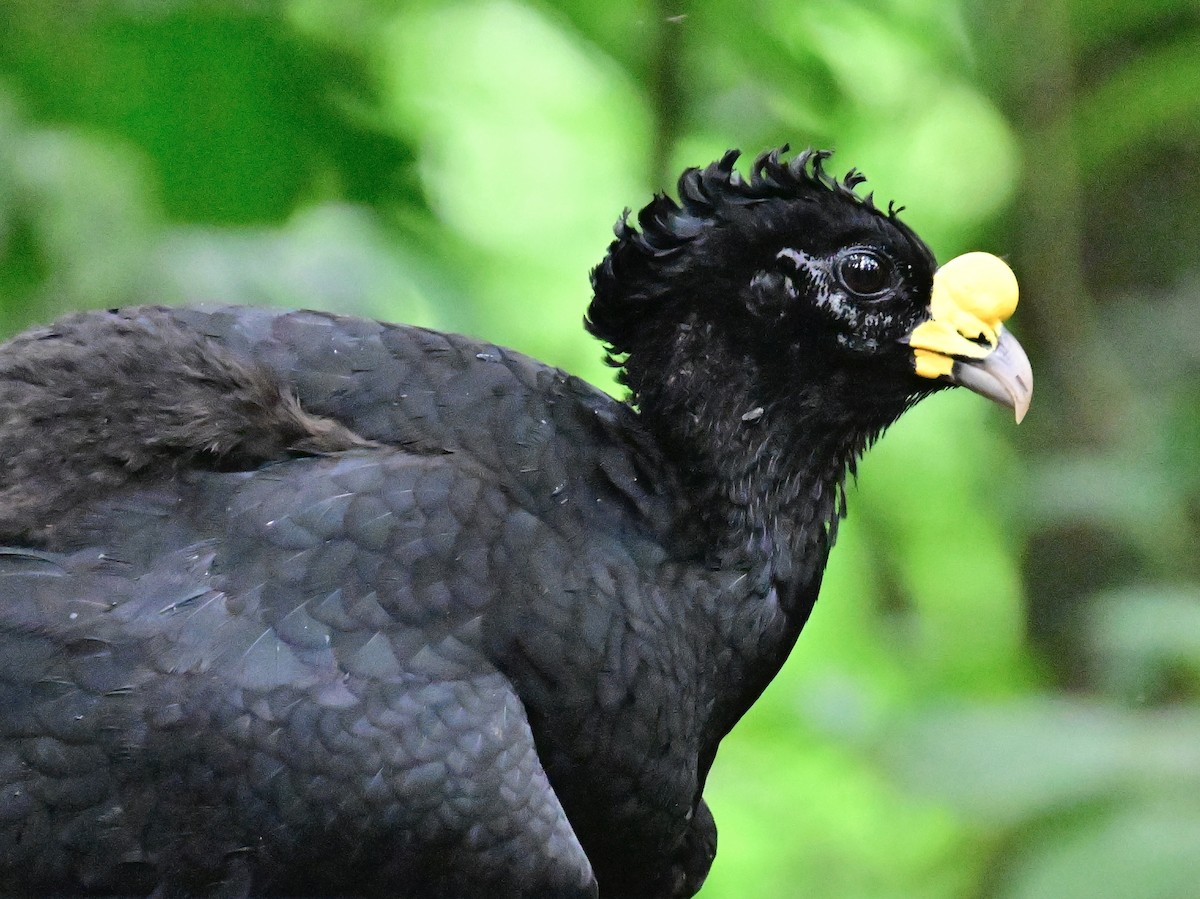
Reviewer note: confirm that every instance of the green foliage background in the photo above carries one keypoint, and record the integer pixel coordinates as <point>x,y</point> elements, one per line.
<point>999,692</point>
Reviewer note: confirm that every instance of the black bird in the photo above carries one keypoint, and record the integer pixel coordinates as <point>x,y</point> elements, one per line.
<point>293,604</point>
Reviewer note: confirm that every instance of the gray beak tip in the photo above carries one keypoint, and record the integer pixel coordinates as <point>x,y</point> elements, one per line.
<point>1003,376</point>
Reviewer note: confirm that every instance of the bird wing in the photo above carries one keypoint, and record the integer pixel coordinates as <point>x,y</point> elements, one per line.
<point>243,663</point>
<point>550,438</point>
<point>286,611</point>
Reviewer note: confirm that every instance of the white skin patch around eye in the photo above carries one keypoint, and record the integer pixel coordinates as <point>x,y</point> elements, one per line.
<point>802,261</point>
<point>830,297</point>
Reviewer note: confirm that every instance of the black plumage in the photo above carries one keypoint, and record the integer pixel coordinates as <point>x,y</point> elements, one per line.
<point>294,604</point>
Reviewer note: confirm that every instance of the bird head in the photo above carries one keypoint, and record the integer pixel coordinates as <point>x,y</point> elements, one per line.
<point>827,297</point>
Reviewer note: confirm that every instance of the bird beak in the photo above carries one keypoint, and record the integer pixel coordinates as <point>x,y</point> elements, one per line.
<point>964,340</point>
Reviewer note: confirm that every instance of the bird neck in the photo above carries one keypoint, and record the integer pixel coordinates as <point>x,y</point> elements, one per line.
<point>762,468</point>
<point>762,471</point>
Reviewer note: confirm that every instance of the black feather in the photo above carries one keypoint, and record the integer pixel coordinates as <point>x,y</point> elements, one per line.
<point>304,605</point>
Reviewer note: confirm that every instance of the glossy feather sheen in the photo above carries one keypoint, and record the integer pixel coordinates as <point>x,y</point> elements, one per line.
<point>342,608</point>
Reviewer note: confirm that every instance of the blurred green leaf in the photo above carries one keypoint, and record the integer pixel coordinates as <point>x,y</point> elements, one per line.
<point>1007,765</point>
<point>801,818</point>
<point>1096,22</point>
<point>328,257</point>
<point>527,160</point>
<point>1144,639</point>
<point>1147,850</point>
<point>77,224</point>
<point>1152,96</point>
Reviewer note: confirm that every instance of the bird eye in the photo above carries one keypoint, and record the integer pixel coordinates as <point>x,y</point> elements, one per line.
<point>864,272</point>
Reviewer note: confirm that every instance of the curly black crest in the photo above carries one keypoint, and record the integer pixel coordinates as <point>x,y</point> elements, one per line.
<point>667,226</point>
<point>640,265</point>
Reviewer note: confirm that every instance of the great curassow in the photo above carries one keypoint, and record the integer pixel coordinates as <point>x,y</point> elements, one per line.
<point>293,604</point>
